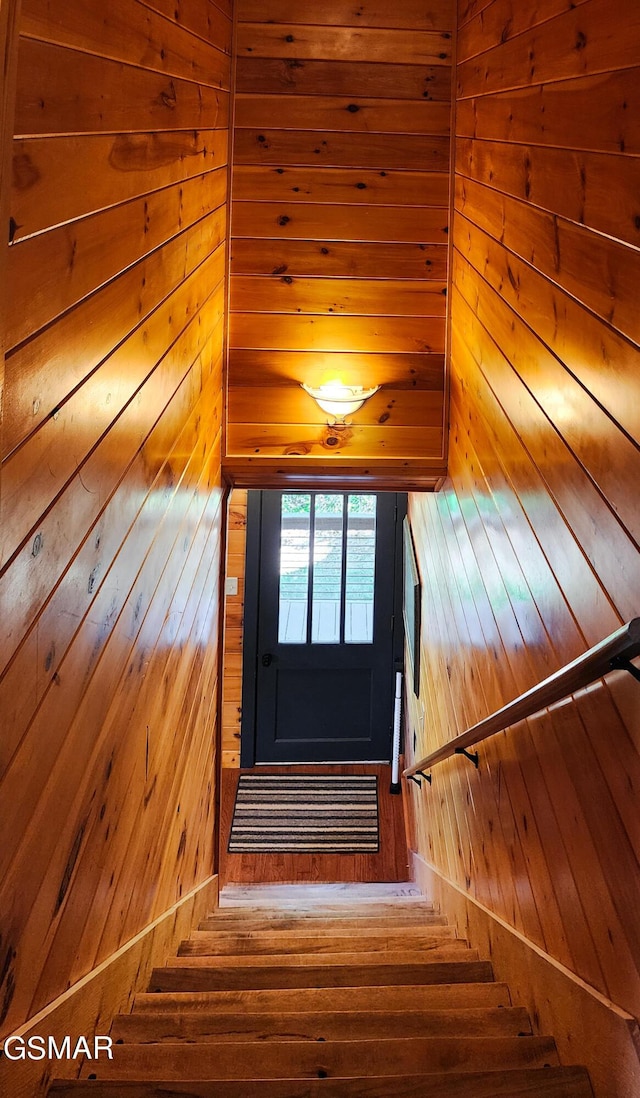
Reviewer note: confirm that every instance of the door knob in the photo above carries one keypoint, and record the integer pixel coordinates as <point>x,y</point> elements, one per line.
<point>266,659</point>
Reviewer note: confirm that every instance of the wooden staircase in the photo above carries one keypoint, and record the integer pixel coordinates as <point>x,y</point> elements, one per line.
<point>320,991</point>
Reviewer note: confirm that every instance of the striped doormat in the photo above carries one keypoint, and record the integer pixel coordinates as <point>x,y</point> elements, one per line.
<point>305,814</point>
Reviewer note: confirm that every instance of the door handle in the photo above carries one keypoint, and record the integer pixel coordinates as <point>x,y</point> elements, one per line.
<point>266,659</point>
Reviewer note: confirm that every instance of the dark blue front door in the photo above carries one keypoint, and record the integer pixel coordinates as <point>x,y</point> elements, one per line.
<point>325,597</point>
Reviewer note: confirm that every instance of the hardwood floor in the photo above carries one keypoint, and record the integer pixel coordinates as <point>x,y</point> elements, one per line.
<point>390,864</point>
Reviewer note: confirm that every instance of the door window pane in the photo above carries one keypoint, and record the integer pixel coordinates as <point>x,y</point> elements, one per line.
<point>327,569</point>
<point>360,570</point>
<point>295,530</point>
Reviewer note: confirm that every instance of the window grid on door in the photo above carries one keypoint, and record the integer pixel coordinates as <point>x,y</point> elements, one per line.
<point>327,568</point>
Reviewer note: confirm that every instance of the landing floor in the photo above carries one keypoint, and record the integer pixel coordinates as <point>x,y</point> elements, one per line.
<point>390,864</point>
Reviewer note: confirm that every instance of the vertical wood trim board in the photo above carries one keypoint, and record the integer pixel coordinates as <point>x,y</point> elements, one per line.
<point>233,633</point>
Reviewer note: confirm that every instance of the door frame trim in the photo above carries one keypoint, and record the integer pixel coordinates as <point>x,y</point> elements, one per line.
<point>250,629</point>
<point>251,609</point>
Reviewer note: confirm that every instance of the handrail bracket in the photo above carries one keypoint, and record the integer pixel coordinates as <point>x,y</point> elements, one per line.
<point>414,778</point>
<point>619,663</point>
<point>472,756</point>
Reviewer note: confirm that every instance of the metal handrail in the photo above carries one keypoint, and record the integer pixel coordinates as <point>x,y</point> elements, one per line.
<point>613,653</point>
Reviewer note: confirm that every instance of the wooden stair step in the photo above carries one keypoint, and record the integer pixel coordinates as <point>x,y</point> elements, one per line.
<point>298,941</point>
<point>302,1059</point>
<point>343,910</point>
<point>204,943</point>
<point>326,890</point>
<point>277,923</point>
<point>199,975</point>
<point>286,1000</point>
<point>552,1082</point>
<point>321,1026</point>
<point>451,950</point>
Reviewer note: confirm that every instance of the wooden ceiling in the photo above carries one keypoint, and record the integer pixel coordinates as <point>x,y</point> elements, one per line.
<point>340,202</point>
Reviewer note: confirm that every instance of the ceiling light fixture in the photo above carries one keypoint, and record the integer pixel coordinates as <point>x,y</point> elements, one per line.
<point>339,400</point>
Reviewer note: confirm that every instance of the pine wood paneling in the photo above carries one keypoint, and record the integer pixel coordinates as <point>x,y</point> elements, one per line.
<point>366,186</point>
<point>340,150</point>
<point>599,113</point>
<point>291,76</point>
<point>575,187</point>
<point>406,371</point>
<point>112,494</point>
<point>63,91</point>
<point>343,43</point>
<point>234,620</point>
<point>582,41</point>
<point>59,179</point>
<point>337,295</point>
<point>340,113</point>
<point>412,14</point>
<point>530,554</point>
<point>306,221</point>
<point>340,190</point>
<point>90,1005</point>
<point>338,258</point>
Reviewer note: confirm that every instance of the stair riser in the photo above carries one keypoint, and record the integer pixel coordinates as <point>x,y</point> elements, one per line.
<point>550,1083</point>
<point>291,1060</point>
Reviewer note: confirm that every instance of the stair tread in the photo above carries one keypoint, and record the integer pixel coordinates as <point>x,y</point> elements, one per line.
<point>453,950</point>
<point>381,997</point>
<point>202,976</point>
<point>333,889</point>
<point>552,1082</point>
<point>279,922</point>
<point>302,1059</point>
<point>349,909</point>
<point>202,941</point>
<point>314,1026</point>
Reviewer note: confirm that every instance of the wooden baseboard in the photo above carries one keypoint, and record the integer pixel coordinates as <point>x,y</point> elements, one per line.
<point>589,1029</point>
<point>88,1007</point>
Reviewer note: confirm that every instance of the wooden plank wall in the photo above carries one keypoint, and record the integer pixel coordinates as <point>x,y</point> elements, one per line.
<point>530,553</point>
<point>339,225</point>
<point>111,482</point>
<point>233,631</point>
